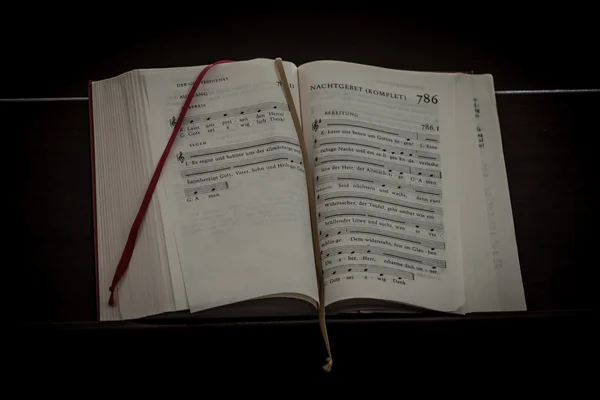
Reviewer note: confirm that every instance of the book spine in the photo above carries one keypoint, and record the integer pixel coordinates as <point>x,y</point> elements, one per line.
<point>94,213</point>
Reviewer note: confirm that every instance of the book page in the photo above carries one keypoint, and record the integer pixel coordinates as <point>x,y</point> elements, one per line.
<point>383,149</point>
<point>478,264</point>
<point>122,171</point>
<point>507,271</point>
<point>233,192</point>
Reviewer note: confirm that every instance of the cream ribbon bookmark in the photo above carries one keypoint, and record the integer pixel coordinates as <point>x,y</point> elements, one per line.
<point>312,204</point>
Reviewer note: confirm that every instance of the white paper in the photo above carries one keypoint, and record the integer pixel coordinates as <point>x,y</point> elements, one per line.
<point>235,184</point>
<point>383,144</point>
<point>507,271</point>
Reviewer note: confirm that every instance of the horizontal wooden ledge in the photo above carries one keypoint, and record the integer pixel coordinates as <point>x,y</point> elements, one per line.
<point>498,92</point>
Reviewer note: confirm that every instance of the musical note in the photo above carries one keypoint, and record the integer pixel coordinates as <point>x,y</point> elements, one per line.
<point>192,191</point>
<point>414,258</point>
<point>371,126</point>
<point>381,209</point>
<point>406,198</point>
<point>392,234</point>
<point>376,144</point>
<point>249,145</point>
<point>362,268</point>
<point>360,177</point>
<point>236,112</point>
<point>390,166</point>
<point>173,121</point>
<point>239,164</point>
<point>405,134</point>
<point>180,157</point>
<point>342,212</point>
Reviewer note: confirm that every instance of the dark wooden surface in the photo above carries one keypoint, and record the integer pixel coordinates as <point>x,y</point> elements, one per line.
<point>546,351</point>
<point>550,161</point>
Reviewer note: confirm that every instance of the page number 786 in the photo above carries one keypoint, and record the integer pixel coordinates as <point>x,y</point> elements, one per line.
<point>427,98</point>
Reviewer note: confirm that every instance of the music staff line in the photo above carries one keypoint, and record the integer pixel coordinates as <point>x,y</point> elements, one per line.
<point>239,164</point>
<point>215,187</point>
<point>240,146</point>
<point>380,198</point>
<point>362,268</point>
<point>332,177</point>
<point>393,150</point>
<point>361,230</point>
<point>402,210</point>
<point>378,203</point>
<point>338,228</point>
<point>404,122</point>
<point>234,112</point>
<point>379,190</point>
<point>348,123</point>
<point>361,212</point>
<point>391,167</point>
<point>352,249</point>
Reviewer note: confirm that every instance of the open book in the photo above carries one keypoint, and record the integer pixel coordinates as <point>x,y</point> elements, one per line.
<point>410,189</point>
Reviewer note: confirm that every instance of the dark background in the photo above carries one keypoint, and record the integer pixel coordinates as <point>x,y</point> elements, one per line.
<point>548,145</point>
<point>58,51</point>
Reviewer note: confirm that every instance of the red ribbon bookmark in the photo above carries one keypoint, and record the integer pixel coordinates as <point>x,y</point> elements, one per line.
<point>135,227</point>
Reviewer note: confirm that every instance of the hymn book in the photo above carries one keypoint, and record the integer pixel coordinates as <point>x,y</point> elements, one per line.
<point>411,192</point>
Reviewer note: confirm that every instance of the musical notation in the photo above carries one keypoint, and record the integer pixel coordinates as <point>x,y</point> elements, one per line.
<point>390,166</point>
<point>378,180</point>
<point>272,140</point>
<point>239,164</point>
<point>407,135</point>
<point>332,232</point>
<point>380,271</point>
<point>236,112</point>
<point>366,268</point>
<point>357,211</point>
<point>214,167</point>
<point>383,180</point>
<point>315,125</point>
<point>417,232</point>
<point>379,198</point>
<point>390,212</point>
<point>402,211</point>
<point>389,149</point>
<point>198,190</point>
<point>353,249</point>
<point>383,191</point>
